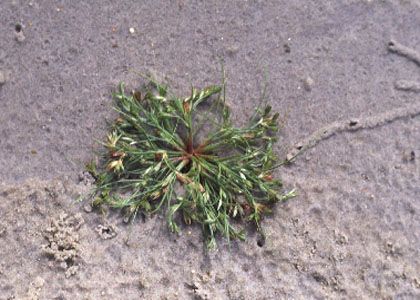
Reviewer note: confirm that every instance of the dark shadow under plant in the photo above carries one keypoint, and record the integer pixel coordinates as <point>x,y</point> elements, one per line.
<point>157,145</point>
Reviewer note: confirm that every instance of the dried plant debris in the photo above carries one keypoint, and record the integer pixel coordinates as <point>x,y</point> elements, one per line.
<point>63,241</point>
<point>160,141</point>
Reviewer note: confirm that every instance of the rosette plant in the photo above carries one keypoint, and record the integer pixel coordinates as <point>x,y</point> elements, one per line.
<point>185,156</point>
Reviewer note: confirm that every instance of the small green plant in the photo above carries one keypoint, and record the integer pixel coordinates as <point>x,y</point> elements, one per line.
<point>159,158</point>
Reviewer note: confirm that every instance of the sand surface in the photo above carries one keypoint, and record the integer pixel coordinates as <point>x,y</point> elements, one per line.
<point>351,104</point>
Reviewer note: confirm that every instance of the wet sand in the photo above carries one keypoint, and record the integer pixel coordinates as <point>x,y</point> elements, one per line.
<point>350,106</point>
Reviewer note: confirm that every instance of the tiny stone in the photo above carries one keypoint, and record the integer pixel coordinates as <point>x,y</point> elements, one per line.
<point>132,30</point>
<point>2,78</point>
<point>353,122</point>
<point>143,283</point>
<point>87,208</point>
<point>63,265</point>
<point>299,146</point>
<point>205,278</point>
<point>289,156</point>
<point>343,239</point>
<point>38,282</point>
<point>409,156</point>
<point>308,82</point>
<point>19,36</point>
<point>2,231</point>
<point>126,219</point>
<point>416,282</point>
<point>232,50</point>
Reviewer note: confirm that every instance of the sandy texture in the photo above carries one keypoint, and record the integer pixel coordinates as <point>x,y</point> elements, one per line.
<point>354,230</point>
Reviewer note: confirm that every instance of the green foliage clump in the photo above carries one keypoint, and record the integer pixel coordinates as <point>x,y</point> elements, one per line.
<point>157,158</point>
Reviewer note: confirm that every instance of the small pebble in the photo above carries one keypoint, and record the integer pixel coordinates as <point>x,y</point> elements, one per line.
<point>127,219</point>
<point>409,156</point>
<point>38,282</point>
<point>308,83</point>
<point>143,284</point>
<point>19,36</point>
<point>2,233</point>
<point>232,50</point>
<point>353,122</point>
<point>87,208</point>
<point>205,278</point>
<point>132,30</point>
<point>2,78</point>
<point>289,156</point>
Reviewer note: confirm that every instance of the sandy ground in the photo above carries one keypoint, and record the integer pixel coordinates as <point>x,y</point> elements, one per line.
<point>352,233</point>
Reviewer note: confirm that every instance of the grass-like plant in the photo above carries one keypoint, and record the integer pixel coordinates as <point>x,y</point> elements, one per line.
<point>184,156</point>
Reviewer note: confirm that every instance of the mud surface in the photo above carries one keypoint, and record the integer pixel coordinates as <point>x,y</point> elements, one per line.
<point>354,230</point>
